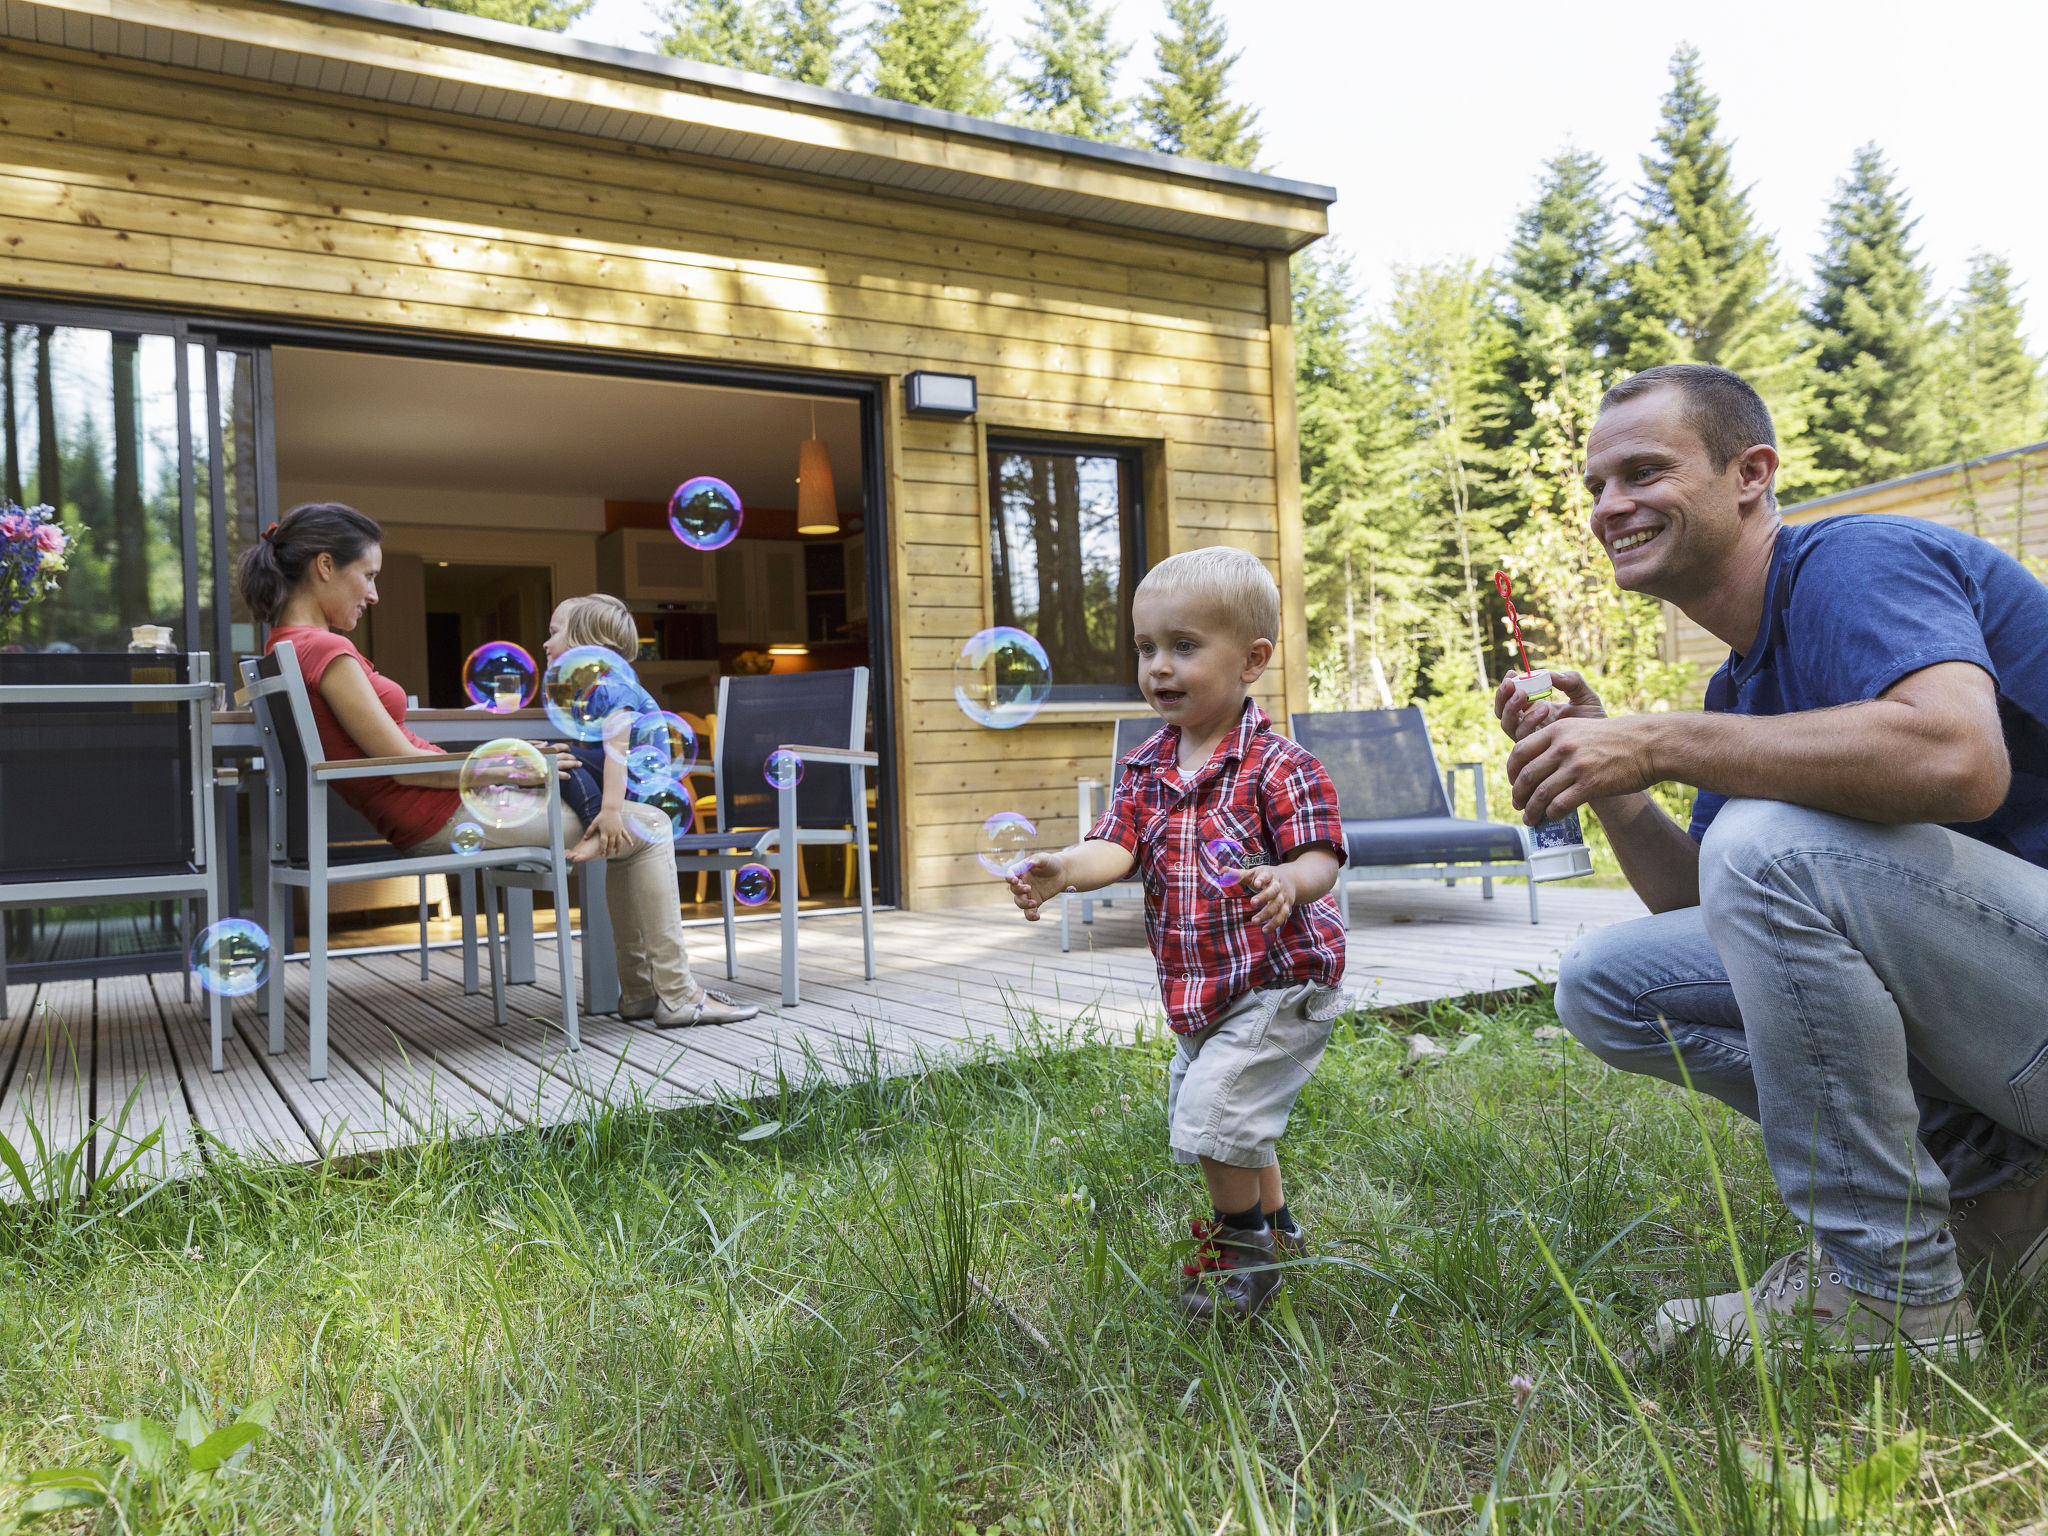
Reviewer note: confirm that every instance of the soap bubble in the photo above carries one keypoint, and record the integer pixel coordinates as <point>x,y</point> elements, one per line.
<point>500,676</point>
<point>1224,864</point>
<point>783,769</point>
<point>660,748</point>
<point>231,957</point>
<point>467,838</point>
<point>505,782</point>
<point>1008,839</point>
<point>585,688</point>
<point>1001,677</point>
<point>705,513</point>
<point>673,801</point>
<point>753,884</point>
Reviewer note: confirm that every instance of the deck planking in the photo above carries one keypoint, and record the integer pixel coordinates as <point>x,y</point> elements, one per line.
<point>412,1059</point>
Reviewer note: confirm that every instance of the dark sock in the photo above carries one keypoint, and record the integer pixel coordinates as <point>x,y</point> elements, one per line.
<point>1253,1220</point>
<point>1282,1219</point>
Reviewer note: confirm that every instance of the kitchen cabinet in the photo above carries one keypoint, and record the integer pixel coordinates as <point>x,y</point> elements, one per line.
<point>761,593</point>
<point>651,565</point>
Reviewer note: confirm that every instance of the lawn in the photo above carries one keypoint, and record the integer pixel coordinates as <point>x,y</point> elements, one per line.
<point>942,1304</point>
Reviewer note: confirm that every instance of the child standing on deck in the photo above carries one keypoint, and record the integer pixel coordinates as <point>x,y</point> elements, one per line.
<point>1234,831</point>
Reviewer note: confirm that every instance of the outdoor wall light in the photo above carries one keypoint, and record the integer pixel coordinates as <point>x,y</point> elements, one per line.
<point>939,394</point>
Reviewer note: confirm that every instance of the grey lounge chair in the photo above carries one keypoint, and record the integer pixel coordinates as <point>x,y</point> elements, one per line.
<point>1092,797</point>
<point>761,824</point>
<point>1397,808</point>
<point>300,856</point>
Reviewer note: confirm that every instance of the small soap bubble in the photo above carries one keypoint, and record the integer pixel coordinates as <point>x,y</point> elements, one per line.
<point>1008,839</point>
<point>659,748</point>
<point>783,768</point>
<point>231,957</point>
<point>468,838</point>
<point>500,676</point>
<point>586,688</point>
<point>673,801</point>
<point>1001,677</point>
<point>705,513</point>
<point>1224,863</point>
<point>753,884</point>
<point>505,782</point>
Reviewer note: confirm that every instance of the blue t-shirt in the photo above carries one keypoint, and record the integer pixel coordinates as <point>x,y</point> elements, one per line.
<point>1856,602</point>
<point>583,790</point>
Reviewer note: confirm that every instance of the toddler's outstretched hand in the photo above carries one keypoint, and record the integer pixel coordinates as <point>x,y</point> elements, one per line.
<point>1035,880</point>
<point>1272,893</point>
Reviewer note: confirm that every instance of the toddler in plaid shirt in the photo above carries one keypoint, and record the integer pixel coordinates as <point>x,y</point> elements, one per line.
<point>1234,831</point>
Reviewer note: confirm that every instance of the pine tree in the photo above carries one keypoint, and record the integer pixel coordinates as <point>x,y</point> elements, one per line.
<point>1186,109</point>
<point>546,15</point>
<point>1990,385</point>
<point>1874,415</point>
<point>727,32</point>
<point>932,53</point>
<point>1558,283</point>
<point>1704,286</point>
<point>805,42</point>
<point>1070,86</point>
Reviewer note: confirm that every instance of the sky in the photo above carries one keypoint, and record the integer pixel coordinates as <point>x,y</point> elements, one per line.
<point>1433,121</point>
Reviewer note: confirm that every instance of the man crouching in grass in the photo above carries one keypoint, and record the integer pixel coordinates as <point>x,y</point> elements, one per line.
<point>1235,833</point>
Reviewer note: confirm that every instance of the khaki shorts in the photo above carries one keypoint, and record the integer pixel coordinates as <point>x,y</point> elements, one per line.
<point>1234,1083</point>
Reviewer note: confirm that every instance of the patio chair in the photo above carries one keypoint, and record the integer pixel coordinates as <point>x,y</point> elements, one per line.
<point>761,824</point>
<point>106,780</point>
<point>1092,796</point>
<point>1398,809</point>
<point>300,857</point>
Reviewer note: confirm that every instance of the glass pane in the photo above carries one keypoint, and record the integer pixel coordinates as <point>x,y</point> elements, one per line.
<point>1057,542</point>
<point>235,398</point>
<point>91,428</point>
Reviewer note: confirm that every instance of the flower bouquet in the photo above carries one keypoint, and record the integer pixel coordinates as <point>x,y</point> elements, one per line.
<point>32,546</point>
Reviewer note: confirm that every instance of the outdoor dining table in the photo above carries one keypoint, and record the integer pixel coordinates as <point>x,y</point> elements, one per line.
<point>238,740</point>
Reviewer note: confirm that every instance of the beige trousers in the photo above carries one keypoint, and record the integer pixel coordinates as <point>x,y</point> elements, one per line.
<point>640,891</point>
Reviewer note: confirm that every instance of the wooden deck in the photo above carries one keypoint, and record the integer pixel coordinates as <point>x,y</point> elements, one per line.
<point>410,1059</point>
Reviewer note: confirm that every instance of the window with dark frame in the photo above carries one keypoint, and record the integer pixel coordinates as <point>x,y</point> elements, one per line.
<point>1066,548</point>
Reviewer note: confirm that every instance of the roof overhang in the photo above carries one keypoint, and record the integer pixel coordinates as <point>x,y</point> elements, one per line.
<point>442,61</point>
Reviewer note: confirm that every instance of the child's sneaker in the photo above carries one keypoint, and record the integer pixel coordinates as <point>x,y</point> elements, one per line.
<point>1290,1241</point>
<point>1230,1273</point>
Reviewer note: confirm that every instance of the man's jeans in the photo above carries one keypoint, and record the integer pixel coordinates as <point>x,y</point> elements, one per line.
<point>1876,998</point>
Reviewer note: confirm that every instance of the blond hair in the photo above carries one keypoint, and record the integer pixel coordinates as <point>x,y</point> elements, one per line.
<point>1233,586</point>
<point>601,619</point>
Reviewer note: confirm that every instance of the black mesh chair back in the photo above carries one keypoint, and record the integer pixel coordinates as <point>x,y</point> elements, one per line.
<point>1131,735</point>
<point>288,744</point>
<point>93,790</point>
<point>759,714</point>
<point>1380,761</point>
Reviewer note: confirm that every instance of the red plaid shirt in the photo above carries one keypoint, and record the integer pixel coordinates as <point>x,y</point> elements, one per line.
<point>1272,797</point>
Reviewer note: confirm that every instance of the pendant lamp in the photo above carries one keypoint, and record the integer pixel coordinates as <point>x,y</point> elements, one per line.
<point>817,503</point>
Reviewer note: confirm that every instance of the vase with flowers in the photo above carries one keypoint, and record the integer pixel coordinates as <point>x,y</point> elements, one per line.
<point>32,546</point>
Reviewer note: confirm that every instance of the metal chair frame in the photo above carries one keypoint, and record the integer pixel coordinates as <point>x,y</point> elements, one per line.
<point>202,882</point>
<point>1086,812</point>
<point>781,846</point>
<point>315,877</point>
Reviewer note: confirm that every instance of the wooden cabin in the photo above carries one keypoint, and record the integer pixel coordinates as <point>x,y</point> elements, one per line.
<point>2002,497</point>
<point>504,290</point>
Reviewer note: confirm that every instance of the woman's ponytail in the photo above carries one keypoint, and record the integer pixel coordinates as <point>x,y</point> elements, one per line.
<point>276,563</point>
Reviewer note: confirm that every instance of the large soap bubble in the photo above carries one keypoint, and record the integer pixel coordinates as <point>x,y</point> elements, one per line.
<point>660,747</point>
<point>587,688</point>
<point>705,513</point>
<point>505,782</point>
<point>231,957</point>
<point>1008,839</point>
<point>673,801</point>
<point>1001,677</point>
<point>500,676</point>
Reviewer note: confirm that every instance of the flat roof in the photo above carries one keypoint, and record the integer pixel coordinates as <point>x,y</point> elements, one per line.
<point>446,61</point>
<point>1918,475</point>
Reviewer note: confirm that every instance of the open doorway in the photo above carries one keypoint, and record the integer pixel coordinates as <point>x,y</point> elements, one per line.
<point>503,490</point>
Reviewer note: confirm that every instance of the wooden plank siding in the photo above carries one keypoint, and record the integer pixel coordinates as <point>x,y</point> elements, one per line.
<point>136,183</point>
<point>2002,498</point>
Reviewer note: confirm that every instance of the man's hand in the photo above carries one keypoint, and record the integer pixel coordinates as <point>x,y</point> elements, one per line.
<point>1558,767</point>
<point>1036,881</point>
<point>1519,716</point>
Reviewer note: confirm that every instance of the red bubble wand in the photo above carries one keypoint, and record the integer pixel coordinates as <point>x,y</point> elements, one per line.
<point>1500,584</point>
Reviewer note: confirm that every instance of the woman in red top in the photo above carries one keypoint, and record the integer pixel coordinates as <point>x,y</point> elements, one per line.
<point>310,577</point>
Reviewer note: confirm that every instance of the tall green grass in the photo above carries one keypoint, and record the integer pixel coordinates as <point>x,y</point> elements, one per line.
<point>943,1302</point>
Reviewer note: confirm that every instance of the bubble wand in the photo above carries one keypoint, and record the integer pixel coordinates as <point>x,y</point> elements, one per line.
<point>1532,685</point>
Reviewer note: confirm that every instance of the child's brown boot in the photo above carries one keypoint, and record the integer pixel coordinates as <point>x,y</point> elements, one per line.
<point>1230,1273</point>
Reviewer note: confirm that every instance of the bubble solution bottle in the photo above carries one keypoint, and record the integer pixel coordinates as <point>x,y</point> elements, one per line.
<point>1558,850</point>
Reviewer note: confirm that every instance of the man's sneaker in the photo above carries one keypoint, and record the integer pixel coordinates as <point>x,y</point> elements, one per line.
<point>1230,1273</point>
<point>1290,1241</point>
<point>1802,1297</point>
<point>2004,1233</point>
